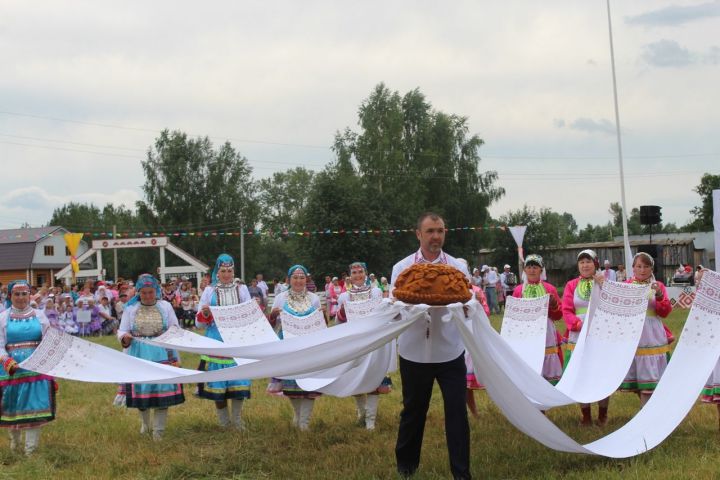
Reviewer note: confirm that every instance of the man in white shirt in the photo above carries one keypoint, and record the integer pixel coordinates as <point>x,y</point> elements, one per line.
<point>262,286</point>
<point>608,272</point>
<point>508,280</point>
<point>432,351</point>
<point>491,281</point>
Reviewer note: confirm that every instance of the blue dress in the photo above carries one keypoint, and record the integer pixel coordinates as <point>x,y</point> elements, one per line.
<point>223,390</point>
<point>148,322</point>
<point>27,399</point>
<point>308,305</point>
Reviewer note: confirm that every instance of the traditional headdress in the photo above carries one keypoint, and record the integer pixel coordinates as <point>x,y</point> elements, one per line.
<point>144,281</point>
<point>646,256</point>
<point>295,268</point>
<point>20,284</point>
<point>223,260</point>
<point>590,255</point>
<point>358,264</point>
<point>535,260</point>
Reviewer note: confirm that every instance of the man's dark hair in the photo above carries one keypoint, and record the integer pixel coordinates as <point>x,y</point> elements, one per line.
<point>432,215</point>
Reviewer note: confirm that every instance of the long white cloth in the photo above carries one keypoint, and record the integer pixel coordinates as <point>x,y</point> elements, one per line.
<point>524,328</point>
<point>602,356</point>
<point>64,356</point>
<point>184,340</point>
<point>370,369</point>
<point>694,358</point>
<point>243,324</point>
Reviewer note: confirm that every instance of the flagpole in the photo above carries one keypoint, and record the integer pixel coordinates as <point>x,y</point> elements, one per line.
<point>626,238</point>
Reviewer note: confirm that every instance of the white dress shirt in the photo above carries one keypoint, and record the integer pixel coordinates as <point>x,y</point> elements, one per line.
<point>434,341</point>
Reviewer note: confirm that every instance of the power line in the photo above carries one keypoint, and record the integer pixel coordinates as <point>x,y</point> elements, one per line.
<point>72,143</point>
<point>326,147</point>
<point>141,129</point>
<point>409,173</point>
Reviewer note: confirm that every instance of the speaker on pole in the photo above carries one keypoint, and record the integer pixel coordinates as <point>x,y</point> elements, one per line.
<point>650,215</point>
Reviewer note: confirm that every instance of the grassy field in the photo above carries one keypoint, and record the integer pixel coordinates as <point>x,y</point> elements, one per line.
<point>93,439</point>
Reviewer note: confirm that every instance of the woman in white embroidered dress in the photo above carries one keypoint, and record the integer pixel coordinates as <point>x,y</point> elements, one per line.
<point>146,316</point>
<point>576,298</point>
<point>362,291</point>
<point>296,301</point>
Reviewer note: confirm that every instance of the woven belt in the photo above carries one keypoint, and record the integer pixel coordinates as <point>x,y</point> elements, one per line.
<point>15,346</point>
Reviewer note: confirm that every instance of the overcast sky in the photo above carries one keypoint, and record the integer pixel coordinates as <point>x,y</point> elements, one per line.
<point>86,86</point>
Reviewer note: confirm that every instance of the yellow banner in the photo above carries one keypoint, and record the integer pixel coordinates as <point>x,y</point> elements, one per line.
<point>72,240</point>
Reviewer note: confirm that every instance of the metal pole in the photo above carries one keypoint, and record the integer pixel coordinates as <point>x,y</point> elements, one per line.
<point>115,262</point>
<point>242,250</point>
<point>626,238</point>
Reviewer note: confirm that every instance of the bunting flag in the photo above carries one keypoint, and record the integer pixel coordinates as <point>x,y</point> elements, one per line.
<point>72,240</point>
<point>284,233</point>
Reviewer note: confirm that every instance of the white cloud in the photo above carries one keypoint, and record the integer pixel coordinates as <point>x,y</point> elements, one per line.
<point>587,125</point>
<point>35,206</point>
<point>676,15</point>
<point>295,72</point>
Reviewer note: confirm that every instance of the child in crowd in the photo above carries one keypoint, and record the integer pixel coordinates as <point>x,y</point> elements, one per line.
<point>67,320</point>
<point>109,323</point>
<point>51,312</point>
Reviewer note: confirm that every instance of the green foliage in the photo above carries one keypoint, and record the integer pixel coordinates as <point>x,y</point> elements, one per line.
<point>703,214</point>
<point>408,158</point>
<point>336,202</point>
<point>82,218</point>
<point>190,183</point>
<point>283,198</point>
<point>598,233</point>
<point>545,228</point>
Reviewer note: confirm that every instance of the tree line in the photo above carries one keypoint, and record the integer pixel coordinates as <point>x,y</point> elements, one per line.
<point>404,158</point>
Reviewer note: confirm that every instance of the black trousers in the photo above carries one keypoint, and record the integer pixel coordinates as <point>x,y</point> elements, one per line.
<point>417,386</point>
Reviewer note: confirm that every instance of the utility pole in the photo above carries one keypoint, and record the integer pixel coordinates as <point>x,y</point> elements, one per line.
<point>626,238</point>
<point>115,262</point>
<point>242,250</point>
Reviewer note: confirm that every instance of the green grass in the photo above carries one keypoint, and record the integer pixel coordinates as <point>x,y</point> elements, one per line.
<point>93,439</point>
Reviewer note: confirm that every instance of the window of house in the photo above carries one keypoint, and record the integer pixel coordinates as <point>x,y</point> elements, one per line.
<point>67,252</point>
<point>49,250</point>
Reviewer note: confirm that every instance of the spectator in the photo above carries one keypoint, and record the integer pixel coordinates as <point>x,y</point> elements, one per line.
<point>310,285</point>
<point>490,280</point>
<point>476,278</point>
<point>385,287</point>
<point>67,322</point>
<point>256,293</point>
<point>608,272</point>
<point>508,280</point>
<point>281,286</point>
<point>621,274</point>
<point>262,286</point>
<point>51,312</point>
<point>109,323</point>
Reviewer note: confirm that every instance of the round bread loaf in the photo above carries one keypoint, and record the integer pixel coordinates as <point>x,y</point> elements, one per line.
<point>432,284</point>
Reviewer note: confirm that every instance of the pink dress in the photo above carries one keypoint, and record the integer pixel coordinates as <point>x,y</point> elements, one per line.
<point>472,383</point>
<point>653,350</point>
<point>576,298</point>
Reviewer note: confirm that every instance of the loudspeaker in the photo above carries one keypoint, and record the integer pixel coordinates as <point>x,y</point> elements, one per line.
<point>651,250</point>
<point>650,215</point>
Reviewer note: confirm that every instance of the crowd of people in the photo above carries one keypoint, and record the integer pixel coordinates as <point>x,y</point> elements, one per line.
<point>428,351</point>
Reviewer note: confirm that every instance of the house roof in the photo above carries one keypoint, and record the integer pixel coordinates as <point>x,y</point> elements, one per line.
<point>25,235</point>
<point>17,247</point>
<point>16,256</point>
<point>633,243</point>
